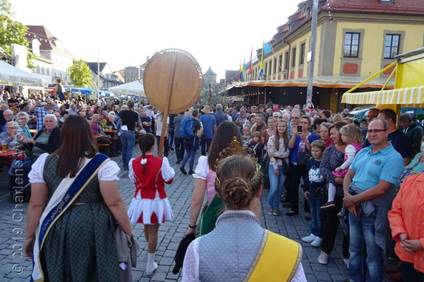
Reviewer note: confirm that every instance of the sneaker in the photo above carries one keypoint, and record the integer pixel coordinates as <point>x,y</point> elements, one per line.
<point>323,258</point>
<point>309,238</point>
<point>183,171</point>
<point>316,242</point>
<point>151,269</point>
<point>275,213</point>
<point>191,172</point>
<point>328,205</point>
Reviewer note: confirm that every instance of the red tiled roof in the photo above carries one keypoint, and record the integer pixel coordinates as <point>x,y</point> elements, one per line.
<point>376,6</point>
<point>42,34</point>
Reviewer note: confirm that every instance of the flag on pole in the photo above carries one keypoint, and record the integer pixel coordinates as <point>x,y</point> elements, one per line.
<point>261,73</point>
<point>251,64</point>
<point>241,78</point>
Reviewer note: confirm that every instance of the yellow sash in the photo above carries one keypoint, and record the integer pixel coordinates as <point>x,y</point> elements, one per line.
<point>278,260</point>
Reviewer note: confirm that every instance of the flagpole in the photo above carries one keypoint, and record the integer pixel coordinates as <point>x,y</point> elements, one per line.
<point>314,22</point>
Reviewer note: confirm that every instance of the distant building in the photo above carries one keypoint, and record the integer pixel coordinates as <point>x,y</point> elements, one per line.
<point>106,80</point>
<point>355,39</point>
<point>231,76</point>
<point>52,59</point>
<point>131,74</point>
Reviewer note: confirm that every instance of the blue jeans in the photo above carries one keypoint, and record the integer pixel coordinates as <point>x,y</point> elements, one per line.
<point>128,143</point>
<point>276,184</point>
<point>361,229</point>
<point>315,201</point>
<point>189,155</point>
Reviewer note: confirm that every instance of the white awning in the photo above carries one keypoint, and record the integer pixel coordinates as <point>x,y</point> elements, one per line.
<point>400,96</point>
<point>10,75</point>
<point>132,88</point>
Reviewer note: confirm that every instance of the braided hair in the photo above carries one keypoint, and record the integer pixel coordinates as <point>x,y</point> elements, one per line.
<point>237,181</point>
<point>146,143</point>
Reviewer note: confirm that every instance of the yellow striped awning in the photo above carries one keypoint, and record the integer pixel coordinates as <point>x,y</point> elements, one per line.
<point>400,96</point>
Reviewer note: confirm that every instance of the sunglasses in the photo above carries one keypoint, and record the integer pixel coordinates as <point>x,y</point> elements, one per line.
<point>375,130</point>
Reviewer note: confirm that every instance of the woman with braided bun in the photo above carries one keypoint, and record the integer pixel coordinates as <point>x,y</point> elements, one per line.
<point>227,135</point>
<point>238,248</point>
<point>150,206</point>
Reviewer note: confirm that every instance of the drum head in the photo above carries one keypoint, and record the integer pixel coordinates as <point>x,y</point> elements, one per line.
<point>172,75</point>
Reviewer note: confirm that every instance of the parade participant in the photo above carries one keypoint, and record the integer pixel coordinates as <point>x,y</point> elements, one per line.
<point>76,204</point>
<point>352,138</point>
<point>47,140</point>
<point>406,217</point>
<point>129,120</point>
<point>239,249</point>
<point>150,206</point>
<point>158,130</point>
<point>333,157</point>
<point>314,190</point>
<point>369,188</point>
<point>204,179</point>
<point>278,152</point>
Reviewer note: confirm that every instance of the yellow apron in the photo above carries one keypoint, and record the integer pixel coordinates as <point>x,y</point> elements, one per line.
<point>278,260</point>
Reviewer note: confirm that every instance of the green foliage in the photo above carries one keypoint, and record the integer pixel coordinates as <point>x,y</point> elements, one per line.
<point>80,74</point>
<point>11,31</point>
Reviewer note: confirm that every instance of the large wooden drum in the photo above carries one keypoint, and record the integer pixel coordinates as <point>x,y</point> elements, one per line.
<point>172,83</point>
<point>173,79</point>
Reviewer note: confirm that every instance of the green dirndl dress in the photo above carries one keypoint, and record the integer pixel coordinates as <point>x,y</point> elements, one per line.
<point>80,246</point>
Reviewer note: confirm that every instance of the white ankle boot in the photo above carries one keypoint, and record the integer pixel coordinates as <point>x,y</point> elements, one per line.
<point>151,264</point>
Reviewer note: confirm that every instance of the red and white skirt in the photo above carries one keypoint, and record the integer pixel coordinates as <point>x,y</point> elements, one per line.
<point>150,211</point>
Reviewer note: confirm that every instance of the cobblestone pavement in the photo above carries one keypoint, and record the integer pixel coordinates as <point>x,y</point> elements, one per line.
<point>14,267</point>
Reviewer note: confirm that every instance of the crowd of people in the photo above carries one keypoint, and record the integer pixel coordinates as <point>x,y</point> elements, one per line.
<point>363,175</point>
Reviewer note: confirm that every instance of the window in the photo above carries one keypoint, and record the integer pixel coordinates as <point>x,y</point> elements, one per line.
<point>351,44</point>
<point>302,53</point>
<point>293,62</point>
<point>286,62</point>
<point>280,63</point>
<point>391,45</point>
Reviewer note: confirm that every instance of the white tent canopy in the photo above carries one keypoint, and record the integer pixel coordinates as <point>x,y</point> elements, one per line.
<point>11,75</point>
<point>131,88</point>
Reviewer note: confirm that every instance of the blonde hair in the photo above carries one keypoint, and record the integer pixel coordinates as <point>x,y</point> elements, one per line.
<point>352,131</point>
<point>237,181</point>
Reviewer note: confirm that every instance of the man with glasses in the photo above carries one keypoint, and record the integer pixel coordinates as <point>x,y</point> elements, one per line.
<point>369,188</point>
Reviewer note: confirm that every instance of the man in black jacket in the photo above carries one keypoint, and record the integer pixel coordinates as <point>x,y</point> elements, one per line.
<point>413,131</point>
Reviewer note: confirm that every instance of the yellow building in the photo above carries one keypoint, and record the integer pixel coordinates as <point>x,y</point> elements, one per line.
<point>355,39</point>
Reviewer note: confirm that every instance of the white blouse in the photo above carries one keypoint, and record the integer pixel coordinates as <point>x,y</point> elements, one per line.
<point>108,172</point>
<point>167,171</point>
<point>202,168</point>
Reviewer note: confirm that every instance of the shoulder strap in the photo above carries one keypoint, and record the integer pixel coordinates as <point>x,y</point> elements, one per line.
<point>278,260</point>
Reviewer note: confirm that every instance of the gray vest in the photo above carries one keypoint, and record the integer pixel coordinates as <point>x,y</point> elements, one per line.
<point>229,251</point>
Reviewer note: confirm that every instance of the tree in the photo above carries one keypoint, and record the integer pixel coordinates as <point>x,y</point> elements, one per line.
<point>11,31</point>
<point>80,74</point>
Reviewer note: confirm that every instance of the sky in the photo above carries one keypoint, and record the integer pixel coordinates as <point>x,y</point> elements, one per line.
<point>218,33</point>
